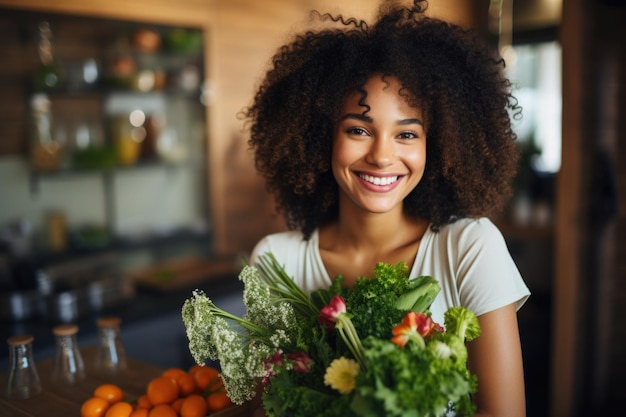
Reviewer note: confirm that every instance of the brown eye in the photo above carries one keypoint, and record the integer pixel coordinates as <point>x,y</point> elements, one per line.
<point>356,131</point>
<point>408,135</point>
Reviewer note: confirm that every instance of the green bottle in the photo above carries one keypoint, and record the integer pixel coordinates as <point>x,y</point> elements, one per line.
<point>49,74</point>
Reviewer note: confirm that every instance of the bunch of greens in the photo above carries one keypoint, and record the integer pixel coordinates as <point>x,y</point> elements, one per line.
<point>426,380</point>
<point>369,350</point>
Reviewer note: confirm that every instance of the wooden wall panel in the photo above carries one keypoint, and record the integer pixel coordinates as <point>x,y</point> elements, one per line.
<point>590,290</point>
<point>568,218</point>
<point>184,12</point>
<point>606,53</point>
<point>12,105</point>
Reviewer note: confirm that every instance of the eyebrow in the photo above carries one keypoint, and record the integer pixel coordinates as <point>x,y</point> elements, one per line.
<point>368,119</point>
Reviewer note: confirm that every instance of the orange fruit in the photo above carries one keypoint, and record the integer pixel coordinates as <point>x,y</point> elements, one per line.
<point>163,410</point>
<point>110,392</point>
<point>194,406</point>
<point>206,377</point>
<point>186,385</point>
<point>94,407</point>
<point>162,390</point>
<point>194,368</point>
<point>140,412</point>
<point>143,402</point>
<point>218,401</point>
<point>120,409</point>
<point>174,373</point>
<point>178,403</point>
<point>217,386</point>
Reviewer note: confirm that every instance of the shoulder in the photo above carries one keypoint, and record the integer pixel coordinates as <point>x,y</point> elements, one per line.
<point>464,242</point>
<point>300,258</point>
<point>471,227</point>
<point>484,271</point>
<point>471,232</point>
<point>280,244</point>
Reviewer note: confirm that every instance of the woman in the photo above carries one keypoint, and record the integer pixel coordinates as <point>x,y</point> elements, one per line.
<point>393,143</point>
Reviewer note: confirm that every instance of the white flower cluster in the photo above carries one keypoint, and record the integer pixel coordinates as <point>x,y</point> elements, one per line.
<point>256,296</point>
<point>199,322</point>
<point>212,337</point>
<point>266,311</point>
<point>215,334</point>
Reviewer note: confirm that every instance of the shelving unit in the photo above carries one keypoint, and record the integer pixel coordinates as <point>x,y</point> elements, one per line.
<point>155,68</point>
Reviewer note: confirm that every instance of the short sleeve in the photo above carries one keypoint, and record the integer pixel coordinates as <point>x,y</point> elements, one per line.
<point>471,261</point>
<point>487,276</point>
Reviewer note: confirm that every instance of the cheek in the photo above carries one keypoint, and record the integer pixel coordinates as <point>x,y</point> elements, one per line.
<point>343,156</point>
<point>337,165</point>
<point>416,158</point>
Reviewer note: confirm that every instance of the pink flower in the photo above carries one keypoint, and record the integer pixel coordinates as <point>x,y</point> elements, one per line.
<point>415,327</point>
<point>301,362</point>
<point>330,312</point>
<point>268,367</point>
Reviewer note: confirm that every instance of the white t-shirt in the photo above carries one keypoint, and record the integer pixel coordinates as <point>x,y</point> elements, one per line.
<point>469,258</point>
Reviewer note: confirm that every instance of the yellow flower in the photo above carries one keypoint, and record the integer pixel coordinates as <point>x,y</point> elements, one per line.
<point>340,375</point>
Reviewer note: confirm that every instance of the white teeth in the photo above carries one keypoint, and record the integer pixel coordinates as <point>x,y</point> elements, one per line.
<point>379,180</point>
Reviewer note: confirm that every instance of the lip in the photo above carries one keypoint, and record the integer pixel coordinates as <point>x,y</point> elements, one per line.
<point>378,188</point>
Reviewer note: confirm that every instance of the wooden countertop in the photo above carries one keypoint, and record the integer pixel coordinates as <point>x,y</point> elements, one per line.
<point>65,401</point>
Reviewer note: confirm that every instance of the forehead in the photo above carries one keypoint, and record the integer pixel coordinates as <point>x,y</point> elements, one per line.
<point>383,91</point>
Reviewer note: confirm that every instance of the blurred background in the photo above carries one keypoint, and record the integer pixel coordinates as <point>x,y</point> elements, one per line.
<point>125,178</point>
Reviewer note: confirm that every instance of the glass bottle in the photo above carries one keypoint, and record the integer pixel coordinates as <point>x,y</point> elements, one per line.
<point>23,379</point>
<point>46,150</point>
<point>49,74</point>
<point>68,367</point>
<point>111,357</point>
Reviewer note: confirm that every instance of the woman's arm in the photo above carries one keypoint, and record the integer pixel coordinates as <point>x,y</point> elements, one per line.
<point>496,358</point>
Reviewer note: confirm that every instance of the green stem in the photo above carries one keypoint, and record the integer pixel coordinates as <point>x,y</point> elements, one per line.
<point>418,338</point>
<point>282,285</point>
<point>248,325</point>
<point>351,339</point>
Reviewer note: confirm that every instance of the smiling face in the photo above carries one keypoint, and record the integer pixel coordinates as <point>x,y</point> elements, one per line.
<point>378,157</point>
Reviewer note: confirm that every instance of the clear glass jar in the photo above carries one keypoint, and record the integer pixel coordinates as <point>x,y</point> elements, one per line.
<point>23,379</point>
<point>68,366</point>
<point>111,357</point>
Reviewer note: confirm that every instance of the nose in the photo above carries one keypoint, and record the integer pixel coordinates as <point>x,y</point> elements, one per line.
<point>381,153</point>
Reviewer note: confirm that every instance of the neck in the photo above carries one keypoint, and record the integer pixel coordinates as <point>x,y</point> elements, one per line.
<point>369,229</point>
<point>352,245</point>
<point>379,230</point>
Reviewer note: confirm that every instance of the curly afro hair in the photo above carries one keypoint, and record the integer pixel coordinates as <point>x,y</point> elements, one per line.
<point>457,81</point>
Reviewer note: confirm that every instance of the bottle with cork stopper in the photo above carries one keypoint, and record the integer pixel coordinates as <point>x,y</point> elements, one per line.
<point>68,366</point>
<point>23,382</point>
<point>111,357</point>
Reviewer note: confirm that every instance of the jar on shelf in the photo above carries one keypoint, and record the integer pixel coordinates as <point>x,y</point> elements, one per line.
<point>46,149</point>
<point>56,230</point>
<point>23,381</point>
<point>129,133</point>
<point>110,357</point>
<point>68,366</point>
<point>169,145</point>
